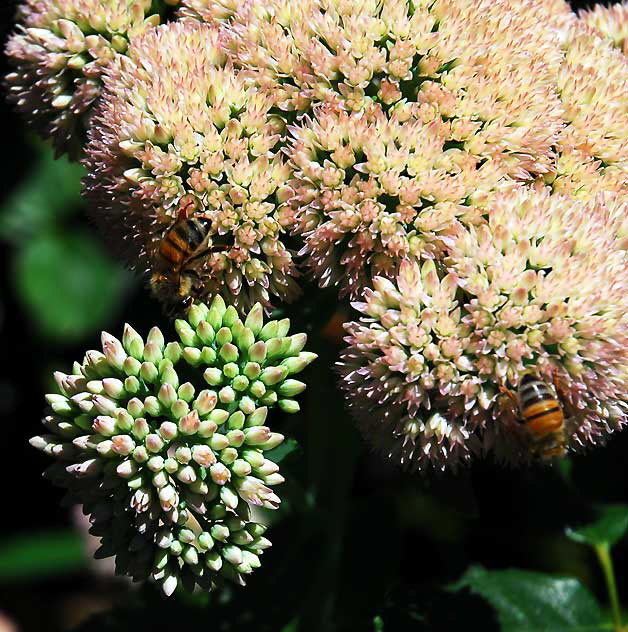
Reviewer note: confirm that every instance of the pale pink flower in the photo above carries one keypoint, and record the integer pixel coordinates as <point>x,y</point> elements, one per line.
<point>59,51</point>
<point>542,286</point>
<point>592,148</point>
<point>610,22</point>
<point>180,134</point>
<point>411,114</point>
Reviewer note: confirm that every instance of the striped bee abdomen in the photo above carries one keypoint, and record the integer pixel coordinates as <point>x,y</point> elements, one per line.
<point>181,241</point>
<point>540,409</point>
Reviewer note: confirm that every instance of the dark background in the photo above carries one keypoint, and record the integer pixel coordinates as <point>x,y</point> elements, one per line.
<point>356,538</point>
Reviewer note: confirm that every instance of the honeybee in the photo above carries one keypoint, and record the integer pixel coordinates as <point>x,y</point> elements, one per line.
<point>542,414</point>
<point>182,244</point>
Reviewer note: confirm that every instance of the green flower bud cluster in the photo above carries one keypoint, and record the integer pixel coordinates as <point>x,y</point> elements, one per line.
<point>165,444</point>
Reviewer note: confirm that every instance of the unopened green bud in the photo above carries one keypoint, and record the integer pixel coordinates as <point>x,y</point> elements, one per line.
<point>148,372</point>
<point>241,468</point>
<point>274,440</point>
<point>231,369</point>
<point>296,365</point>
<point>216,312</point>
<point>213,561</point>
<point>229,497</point>
<point>205,541</point>
<point>257,435</point>
<point>257,417</point>
<point>223,336</point>
<point>246,405</point>
<point>132,342</point>
<point>213,376</point>
<point>152,353</point>
<point>290,406</point>
<point>186,392</point>
<point>236,420</point>
<point>270,399</point>
<point>257,353</point>
<point>205,402</point>
<point>219,416</point>
<point>192,355</point>
<point>255,319</point>
<point>131,366</point>
<point>240,383</point>
<point>132,385</point>
<point>169,375</point>
<point>208,355</point>
<point>236,438</point>
<point>179,409</point>
<point>173,352</point>
<point>257,389</point>
<point>273,375</point>
<point>227,395</point>
<point>220,532</point>
<point>186,333</point>
<point>196,314</point>
<point>218,442</point>
<point>135,407</point>
<point>268,331</point>
<point>205,332</point>
<point>167,395</point>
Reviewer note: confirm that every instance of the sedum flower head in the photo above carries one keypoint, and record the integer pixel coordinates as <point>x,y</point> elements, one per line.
<point>166,447</point>
<point>181,134</point>
<point>592,148</point>
<point>417,107</point>
<point>610,22</point>
<point>59,51</point>
<point>540,287</point>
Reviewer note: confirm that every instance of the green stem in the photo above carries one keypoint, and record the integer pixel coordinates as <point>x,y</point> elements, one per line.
<point>604,556</point>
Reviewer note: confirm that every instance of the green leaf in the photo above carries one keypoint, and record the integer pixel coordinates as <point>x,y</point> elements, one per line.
<point>527,601</point>
<point>38,554</point>
<point>68,284</point>
<point>49,191</point>
<point>378,624</point>
<point>284,449</point>
<point>291,627</point>
<point>609,527</point>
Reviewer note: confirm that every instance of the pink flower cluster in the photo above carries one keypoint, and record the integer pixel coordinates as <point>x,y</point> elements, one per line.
<point>459,166</point>
<point>542,285</point>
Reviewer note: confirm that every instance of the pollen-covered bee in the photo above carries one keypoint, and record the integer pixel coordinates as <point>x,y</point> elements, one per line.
<point>183,243</point>
<point>542,415</point>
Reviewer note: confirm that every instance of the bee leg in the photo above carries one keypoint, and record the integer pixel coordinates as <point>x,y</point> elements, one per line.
<point>204,216</point>
<point>557,387</point>
<point>506,391</point>
<point>207,251</point>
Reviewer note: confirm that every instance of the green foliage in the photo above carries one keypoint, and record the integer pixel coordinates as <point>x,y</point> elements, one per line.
<point>609,527</point>
<point>48,194</point>
<point>40,554</point>
<point>285,449</point>
<point>527,601</point>
<point>63,277</point>
<point>68,283</point>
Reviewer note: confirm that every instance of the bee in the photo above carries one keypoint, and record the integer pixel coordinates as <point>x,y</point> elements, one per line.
<point>183,243</point>
<point>542,415</point>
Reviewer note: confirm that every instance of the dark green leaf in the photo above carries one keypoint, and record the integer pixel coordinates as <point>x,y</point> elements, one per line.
<point>68,283</point>
<point>527,601</point>
<point>38,554</point>
<point>609,527</point>
<point>51,190</point>
<point>279,453</point>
